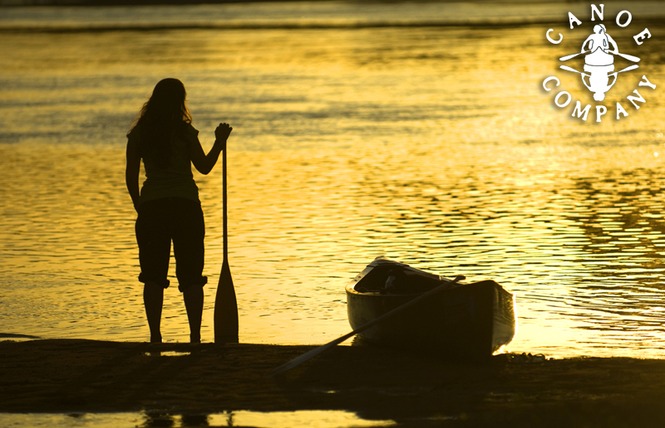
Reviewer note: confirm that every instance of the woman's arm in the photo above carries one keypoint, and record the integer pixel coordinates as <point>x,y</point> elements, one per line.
<point>132,170</point>
<point>204,163</point>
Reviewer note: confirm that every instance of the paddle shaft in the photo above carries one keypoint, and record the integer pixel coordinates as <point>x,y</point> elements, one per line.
<point>226,306</point>
<point>629,68</point>
<point>572,70</point>
<point>626,56</point>
<point>225,220</point>
<point>571,56</point>
<point>321,349</point>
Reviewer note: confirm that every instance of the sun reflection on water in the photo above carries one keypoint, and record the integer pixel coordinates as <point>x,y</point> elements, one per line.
<point>348,144</point>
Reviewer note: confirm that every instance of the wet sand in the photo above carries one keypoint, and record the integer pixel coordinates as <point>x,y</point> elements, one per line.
<point>94,376</point>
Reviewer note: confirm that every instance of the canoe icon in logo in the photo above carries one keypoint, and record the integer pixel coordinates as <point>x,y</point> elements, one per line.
<point>599,50</point>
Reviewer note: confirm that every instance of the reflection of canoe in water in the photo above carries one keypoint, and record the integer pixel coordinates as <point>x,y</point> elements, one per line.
<point>461,321</point>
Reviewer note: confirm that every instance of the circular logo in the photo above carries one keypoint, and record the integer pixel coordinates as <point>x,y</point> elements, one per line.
<point>597,60</point>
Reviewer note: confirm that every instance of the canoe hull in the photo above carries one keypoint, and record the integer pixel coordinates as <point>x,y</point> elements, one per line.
<point>463,321</point>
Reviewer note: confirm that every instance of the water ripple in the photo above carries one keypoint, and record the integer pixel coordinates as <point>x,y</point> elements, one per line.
<point>348,144</point>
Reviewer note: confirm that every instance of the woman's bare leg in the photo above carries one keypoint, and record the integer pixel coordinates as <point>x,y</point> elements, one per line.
<point>193,296</point>
<point>153,299</point>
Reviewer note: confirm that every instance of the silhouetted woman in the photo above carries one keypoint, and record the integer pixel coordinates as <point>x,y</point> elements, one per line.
<point>168,204</point>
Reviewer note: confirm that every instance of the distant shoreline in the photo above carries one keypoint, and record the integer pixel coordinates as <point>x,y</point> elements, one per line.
<point>10,3</point>
<point>284,25</point>
<point>124,2</point>
<point>93,3</point>
<point>29,3</point>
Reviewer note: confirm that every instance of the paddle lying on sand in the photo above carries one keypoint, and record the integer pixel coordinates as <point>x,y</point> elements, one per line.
<point>321,349</point>
<point>226,307</point>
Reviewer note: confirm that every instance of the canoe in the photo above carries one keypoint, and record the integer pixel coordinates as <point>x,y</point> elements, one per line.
<point>462,321</point>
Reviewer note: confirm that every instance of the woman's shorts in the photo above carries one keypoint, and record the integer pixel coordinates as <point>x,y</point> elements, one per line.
<point>167,220</point>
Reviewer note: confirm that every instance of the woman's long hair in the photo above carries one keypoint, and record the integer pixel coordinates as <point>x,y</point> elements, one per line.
<point>161,118</point>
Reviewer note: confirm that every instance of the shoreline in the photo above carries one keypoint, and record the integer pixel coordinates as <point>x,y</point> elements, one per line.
<point>71,375</point>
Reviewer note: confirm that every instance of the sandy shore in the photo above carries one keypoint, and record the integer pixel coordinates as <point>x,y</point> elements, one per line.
<point>94,376</point>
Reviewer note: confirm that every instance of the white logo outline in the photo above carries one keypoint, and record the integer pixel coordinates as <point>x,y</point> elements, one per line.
<point>598,74</point>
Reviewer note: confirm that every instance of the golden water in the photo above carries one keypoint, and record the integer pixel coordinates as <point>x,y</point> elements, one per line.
<point>435,146</point>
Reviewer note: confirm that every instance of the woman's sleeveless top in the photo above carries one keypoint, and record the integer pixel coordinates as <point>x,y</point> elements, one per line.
<point>172,177</point>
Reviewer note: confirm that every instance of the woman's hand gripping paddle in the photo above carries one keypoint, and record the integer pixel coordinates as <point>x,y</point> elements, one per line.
<point>226,307</point>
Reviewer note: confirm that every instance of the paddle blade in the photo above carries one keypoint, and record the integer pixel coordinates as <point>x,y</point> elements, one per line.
<point>572,70</point>
<point>626,56</point>
<point>629,68</point>
<point>571,56</point>
<point>226,308</point>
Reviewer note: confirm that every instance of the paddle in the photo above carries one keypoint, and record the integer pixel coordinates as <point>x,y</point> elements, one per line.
<point>629,68</point>
<point>626,56</point>
<point>572,70</point>
<point>571,56</point>
<point>321,349</point>
<point>226,307</point>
